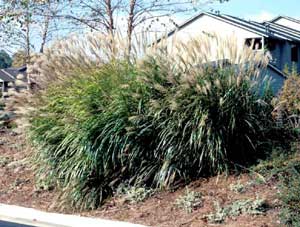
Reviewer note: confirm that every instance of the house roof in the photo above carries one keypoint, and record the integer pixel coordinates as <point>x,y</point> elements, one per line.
<point>285,17</point>
<point>216,16</point>
<point>263,29</point>
<point>287,30</point>
<point>10,74</point>
<point>272,30</point>
<point>5,76</point>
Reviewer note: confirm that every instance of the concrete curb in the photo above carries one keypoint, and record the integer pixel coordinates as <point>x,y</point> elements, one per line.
<point>28,216</point>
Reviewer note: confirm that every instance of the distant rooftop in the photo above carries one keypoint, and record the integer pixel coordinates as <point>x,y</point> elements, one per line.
<point>285,17</point>
<point>9,74</point>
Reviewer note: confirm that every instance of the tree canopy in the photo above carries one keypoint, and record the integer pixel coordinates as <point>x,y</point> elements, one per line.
<point>5,60</point>
<point>30,24</point>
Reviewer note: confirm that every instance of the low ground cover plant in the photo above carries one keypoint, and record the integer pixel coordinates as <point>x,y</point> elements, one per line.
<point>238,187</point>
<point>165,118</point>
<point>189,201</point>
<point>134,194</point>
<point>239,207</point>
<point>4,161</point>
<point>284,166</point>
<point>290,197</point>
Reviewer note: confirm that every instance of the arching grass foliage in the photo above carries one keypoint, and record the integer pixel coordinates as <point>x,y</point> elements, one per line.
<point>169,117</point>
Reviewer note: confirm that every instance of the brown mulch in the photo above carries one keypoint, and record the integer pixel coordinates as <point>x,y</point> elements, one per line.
<point>16,177</point>
<point>161,211</point>
<point>17,187</point>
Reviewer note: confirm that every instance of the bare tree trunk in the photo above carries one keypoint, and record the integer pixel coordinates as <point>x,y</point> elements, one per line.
<point>28,42</point>
<point>3,89</point>
<point>110,24</point>
<point>130,25</point>
<point>109,12</point>
<point>45,34</point>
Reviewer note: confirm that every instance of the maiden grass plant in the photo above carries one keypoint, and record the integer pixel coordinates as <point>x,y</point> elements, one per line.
<point>170,116</point>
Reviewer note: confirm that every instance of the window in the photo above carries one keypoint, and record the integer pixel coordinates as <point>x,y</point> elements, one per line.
<point>270,44</point>
<point>294,53</point>
<point>255,43</point>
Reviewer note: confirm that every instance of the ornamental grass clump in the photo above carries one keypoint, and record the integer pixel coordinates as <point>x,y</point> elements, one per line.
<point>169,116</point>
<point>82,137</point>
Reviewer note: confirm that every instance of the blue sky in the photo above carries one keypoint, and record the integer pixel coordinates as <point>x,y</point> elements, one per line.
<point>259,9</point>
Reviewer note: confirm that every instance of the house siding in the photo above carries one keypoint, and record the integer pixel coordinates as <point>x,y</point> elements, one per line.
<point>298,66</point>
<point>276,80</point>
<point>209,25</point>
<point>214,25</point>
<point>286,55</point>
<point>281,56</point>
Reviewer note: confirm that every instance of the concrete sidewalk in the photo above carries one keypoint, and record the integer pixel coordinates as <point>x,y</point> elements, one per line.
<point>32,217</point>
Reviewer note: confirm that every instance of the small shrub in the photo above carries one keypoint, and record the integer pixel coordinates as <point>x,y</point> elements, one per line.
<point>257,181</point>
<point>43,184</point>
<point>290,95</point>
<point>237,188</point>
<point>239,207</point>
<point>134,194</point>
<point>4,161</point>
<point>287,109</point>
<point>189,201</point>
<point>219,215</point>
